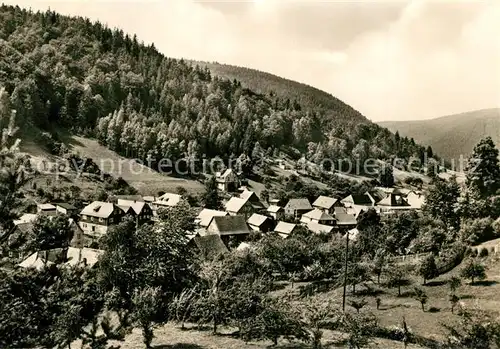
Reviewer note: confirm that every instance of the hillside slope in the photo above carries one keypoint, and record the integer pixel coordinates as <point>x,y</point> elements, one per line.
<point>453,135</point>
<point>71,73</point>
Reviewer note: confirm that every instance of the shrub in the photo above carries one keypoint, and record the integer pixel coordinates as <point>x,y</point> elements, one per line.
<point>475,231</point>
<point>473,271</point>
<point>483,252</point>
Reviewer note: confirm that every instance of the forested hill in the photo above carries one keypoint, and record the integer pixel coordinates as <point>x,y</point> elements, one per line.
<point>90,79</point>
<point>269,84</point>
<point>452,135</point>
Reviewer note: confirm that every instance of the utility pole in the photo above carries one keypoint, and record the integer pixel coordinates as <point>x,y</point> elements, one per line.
<point>345,269</point>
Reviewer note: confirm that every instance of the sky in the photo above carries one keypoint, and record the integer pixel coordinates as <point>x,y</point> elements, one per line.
<point>398,60</point>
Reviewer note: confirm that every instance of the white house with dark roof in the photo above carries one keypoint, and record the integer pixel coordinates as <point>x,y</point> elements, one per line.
<point>227,181</point>
<point>317,216</point>
<point>97,217</point>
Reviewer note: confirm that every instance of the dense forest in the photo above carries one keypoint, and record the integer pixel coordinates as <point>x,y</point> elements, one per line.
<point>70,73</point>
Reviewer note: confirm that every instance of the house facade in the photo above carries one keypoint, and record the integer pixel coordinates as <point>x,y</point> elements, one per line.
<point>317,216</point>
<point>238,206</point>
<point>297,207</point>
<point>276,212</point>
<point>260,223</point>
<point>230,228</point>
<point>326,204</point>
<point>142,211</point>
<point>96,218</point>
<point>227,181</point>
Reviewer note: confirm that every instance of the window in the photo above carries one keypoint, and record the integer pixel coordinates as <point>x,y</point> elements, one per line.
<point>84,225</point>
<point>93,228</point>
<point>101,220</point>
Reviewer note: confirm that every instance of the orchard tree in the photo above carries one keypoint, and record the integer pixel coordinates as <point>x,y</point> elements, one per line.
<point>315,315</point>
<point>473,271</point>
<point>483,169</point>
<point>442,202</point>
<point>428,268</point>
<point>386,176</point>
<point>211,197</point>
<point>421,297</point>
<point>454,283</point>
<point>453,298</point>
<point>145,307</point>
<point>360,329</point>
<point>397,277</point>
<point>276,319</point>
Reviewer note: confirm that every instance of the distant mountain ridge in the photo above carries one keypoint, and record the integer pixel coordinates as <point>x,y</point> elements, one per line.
<point>452,135</point>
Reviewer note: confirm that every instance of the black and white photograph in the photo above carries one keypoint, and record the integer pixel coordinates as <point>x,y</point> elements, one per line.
<point>252,174</point>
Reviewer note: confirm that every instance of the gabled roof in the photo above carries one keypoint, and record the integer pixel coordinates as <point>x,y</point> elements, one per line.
<point>252,198</point>
<point>168,199</point>
<point>298,204</point>
<point>210,246</point>
<point>377,194</point>
<point>319,228</point>
<point>66,205</point>
<point>81,255</point>
<point>26,218</point>
<point>235,204</point>
<point>35,261</point>
<point>230,225</point>
<point>247,194</point>
<point>324,202</point>
<point>345,219</point>
<point>98,209</point>
<point>393,201</point>
<point>72,257</point>
<point>359,199</point>
<point>257,219</point>
<point>284,228</point>
<point>149,198</point>
<point>46,207</point>
<point>221,177</point>
<point>206,215</point>
<point>318,215</point>
<point>136,206</point>
<point>274,209</point>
